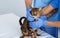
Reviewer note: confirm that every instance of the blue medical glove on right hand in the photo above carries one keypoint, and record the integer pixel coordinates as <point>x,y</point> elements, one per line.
<point>28,15</point>
<point>43,17</point>
<point>38,23</point>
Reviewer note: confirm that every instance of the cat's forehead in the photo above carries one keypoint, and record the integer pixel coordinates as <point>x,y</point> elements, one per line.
<point>35,9</point>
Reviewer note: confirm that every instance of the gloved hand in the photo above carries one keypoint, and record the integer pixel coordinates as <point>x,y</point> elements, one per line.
<point>38,23</point>
<point>28,15</point>
<point>43,17</point>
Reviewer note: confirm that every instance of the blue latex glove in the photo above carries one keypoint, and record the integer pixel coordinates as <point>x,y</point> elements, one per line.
<point>43,17</point>
<point>28,15</point>
<point>41,3</point>
<point>38,24</point>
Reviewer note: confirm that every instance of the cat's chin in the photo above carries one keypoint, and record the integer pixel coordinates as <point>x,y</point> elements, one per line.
<point>26,33</point>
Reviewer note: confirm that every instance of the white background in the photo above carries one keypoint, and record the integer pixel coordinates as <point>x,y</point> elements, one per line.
<point>12,6</point>
<point>9,23</point>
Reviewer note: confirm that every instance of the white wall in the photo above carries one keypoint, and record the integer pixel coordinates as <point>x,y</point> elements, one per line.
<point>12,6</point>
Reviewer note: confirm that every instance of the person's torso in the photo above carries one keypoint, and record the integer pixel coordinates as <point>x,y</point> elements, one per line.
<point>41,3</point>
<point>59,7</point>
<point>58,10</point>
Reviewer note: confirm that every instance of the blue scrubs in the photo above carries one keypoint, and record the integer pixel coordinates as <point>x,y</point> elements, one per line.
<point>52,30</point>
<point>55,4</point>
<point>41,3</point>
<point>55,17</point>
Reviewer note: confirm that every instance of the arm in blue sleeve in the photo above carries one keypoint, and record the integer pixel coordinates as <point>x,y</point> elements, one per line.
<point>54,4</point>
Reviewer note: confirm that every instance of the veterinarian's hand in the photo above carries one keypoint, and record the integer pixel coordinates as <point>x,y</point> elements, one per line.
<point>43,17</point>
<point>38,23</point>
<point>29,16</point>
<point>42,20</point>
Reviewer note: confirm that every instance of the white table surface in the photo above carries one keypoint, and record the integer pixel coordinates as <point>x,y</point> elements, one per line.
<point>10,28</point>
